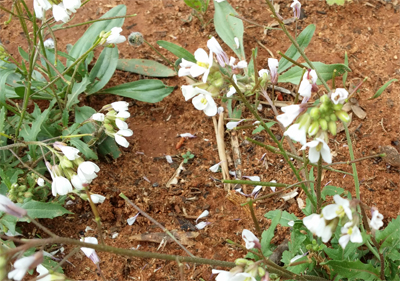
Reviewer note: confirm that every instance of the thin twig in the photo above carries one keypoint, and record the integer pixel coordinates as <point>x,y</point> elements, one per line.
<point>156,223</point>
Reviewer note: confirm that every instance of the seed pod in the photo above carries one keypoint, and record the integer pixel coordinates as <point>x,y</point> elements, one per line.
<point>337,106</point>
<point>218,83</point>
<point>333,117</point>
<point>324,99</point>
<point>135,39</point>
<point>324,108</point>
<point>342,115</point>
<point>332,127</point>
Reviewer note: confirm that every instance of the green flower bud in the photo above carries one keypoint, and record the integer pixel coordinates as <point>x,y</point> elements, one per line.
<point>109,127</point>
<point>333,117</point>
<point>241,262</point>
<point>314,242</point>
<point>201,85</point>
<point>323,124</point>
<point>261,272</point>
<point>315,248</point>
<point>342,115</point>
<point>14,185</point>
<point>305,120</point>
<point>20,194</point>
<point>315,113</point>
<point>324,99</point>
<point>28,194</point>
<point>337,106</point>
<point>308,247</point>
<point>65,163</point>
<point>22,188</point>
<point>314,128</point>
<point>83,196</point>
<point>217,75</point>
<point>324,108</point>
<point>213,90</point>
<point>218,83</point>
<point>332,127</point>
<point>78,161</point>
<point>135,39</point>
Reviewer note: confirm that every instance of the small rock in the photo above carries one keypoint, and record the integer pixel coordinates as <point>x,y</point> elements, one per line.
<point>392,155</point>
<point>155,184</point>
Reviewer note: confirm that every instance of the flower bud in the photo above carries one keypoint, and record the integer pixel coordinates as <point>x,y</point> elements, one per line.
<point>305,120</point>
<point>261,271</point>
<point>28,194</point>
<point>324,99</point>
<point>236,270</point>
<point>135,39</point>
<point>314,128</point>
<point>338,106</point>
<point>109,128</point>
<point>324,108</point>
<point>65,163</point>
<point>343,116</point>
<point>315,113</point>
<point>333,117</point>
<point>241,262</point>
<point>213,90</point>
<point>323,124</point>
<point>332,127</point>
<point>218,83</point>
<point>78,161</point>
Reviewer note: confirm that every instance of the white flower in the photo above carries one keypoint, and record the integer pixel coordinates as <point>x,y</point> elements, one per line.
<point>202,225</point>
<point>40,182</point>
<point>49,276</point>
<point>339,95</point>
<point>256,190</point>
<point>203,65</point>
<point>297,133</point>
<point>241,64</point>
<point>315,223</point>
<point>40,6</point>
<point>252,178</point>
<point>273,188</point>
<point>119,137</point>
<point>291,223</point>
<point>77,182</point>
<point>228,276</point>
<point>352,233</point>
<point>115,37</point>
<point>98,117</point>
<point>250,239</point>
<point>233,124</point>
<point>89,252</point>
<point>273,65</point>
<point>215,167</point>
<point>61,185</point>
<point>21,266</point>
<point>96,198</point>
<point>306,85</point>
<point>318,148</point>
<point>216,48</point>
<point>219,1</point>
<point>291,113</point>
<point>237,42</point>
<point>87,171</point>
<point>7,206</point>
<point>132,220</point>
<point>49,43</point>
<point>72,5</point>
<point>169,159</point>
<point>232,90</point>
<point>121,124</point>
<point>339,209</point>
<point>296,5</point>
<point>206,103</point>
<point>123,114</point>
<point>120,105</point>
<point>70,152</point>
<point>60,13</point>
<point>376,221</point>
<point>203,215</point>
<point>262,72</point>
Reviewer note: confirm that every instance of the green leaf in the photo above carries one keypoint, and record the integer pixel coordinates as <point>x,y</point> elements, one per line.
<point>293,75</point>
<point>285,216</point>
<point>77,89</point>
<point>251,63</point>
<point>337,2</point>
<point>390,236</point>
<point>331,190</point>
<point>228,27</point>
<point>303,40</point>
<point>3,78</point>
<point>261,128</point>
<point>9,222</point>
<point>268,234</point>
<point>89,37</point>
<point>50,265</point>
<point>23,54</point>
<point>84,148</point>
<point>353,269</point>
<point>346,63</point>
<point>145,67</point>
<point>198,5</point>
<point>148,90</point>
<point>177,50</point>
<point>103,70</point>
<point>43,210</point>
<point>381,89</point>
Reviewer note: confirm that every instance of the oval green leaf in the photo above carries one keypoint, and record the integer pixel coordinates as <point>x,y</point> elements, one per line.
<point>145,67</point>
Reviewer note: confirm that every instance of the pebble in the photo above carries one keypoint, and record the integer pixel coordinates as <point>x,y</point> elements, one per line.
<point>155,184</point>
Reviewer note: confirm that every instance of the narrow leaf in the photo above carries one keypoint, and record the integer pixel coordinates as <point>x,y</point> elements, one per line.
<point>145,67</point>
<point>177,50</point>
<point>346,63</point>
<point>77,89</point>
<point>381,89</point>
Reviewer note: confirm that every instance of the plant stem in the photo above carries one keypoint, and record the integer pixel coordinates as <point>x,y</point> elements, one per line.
<point>253,216</point>
<point>318,185</point>
<point>42,227</point>
<point>156,223</point>
<point>96,216</point>
<point>256,183</point>
<point>126,252</point>
<point>278,192</point>
<point>353,165</point>
<point>92,21</point>
<point>294,42</point>
<point>291,60</point>
<point>357,160</point>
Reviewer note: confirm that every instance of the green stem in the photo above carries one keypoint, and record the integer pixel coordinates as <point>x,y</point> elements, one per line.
<point>318,185</point>
<point>357,160</point>
<point>253,216</point>
<point>92,21</point>
<point>96,216</point>
<point>353,165</point>
<point>126,252</point>
<point>294,42</point>
<point>161,55</point>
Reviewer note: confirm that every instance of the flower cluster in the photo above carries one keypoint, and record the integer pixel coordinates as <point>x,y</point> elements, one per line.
<point>324,225</point>
<point>114,121</point>
<point>316,121</point>
<point>61,11</point>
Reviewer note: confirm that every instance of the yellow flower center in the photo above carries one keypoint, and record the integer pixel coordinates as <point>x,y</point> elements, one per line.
<point>340,212</point>
<point>350,231</point>
<point>203,101</point>
<point>319,146</point>
<point>203,64</point>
